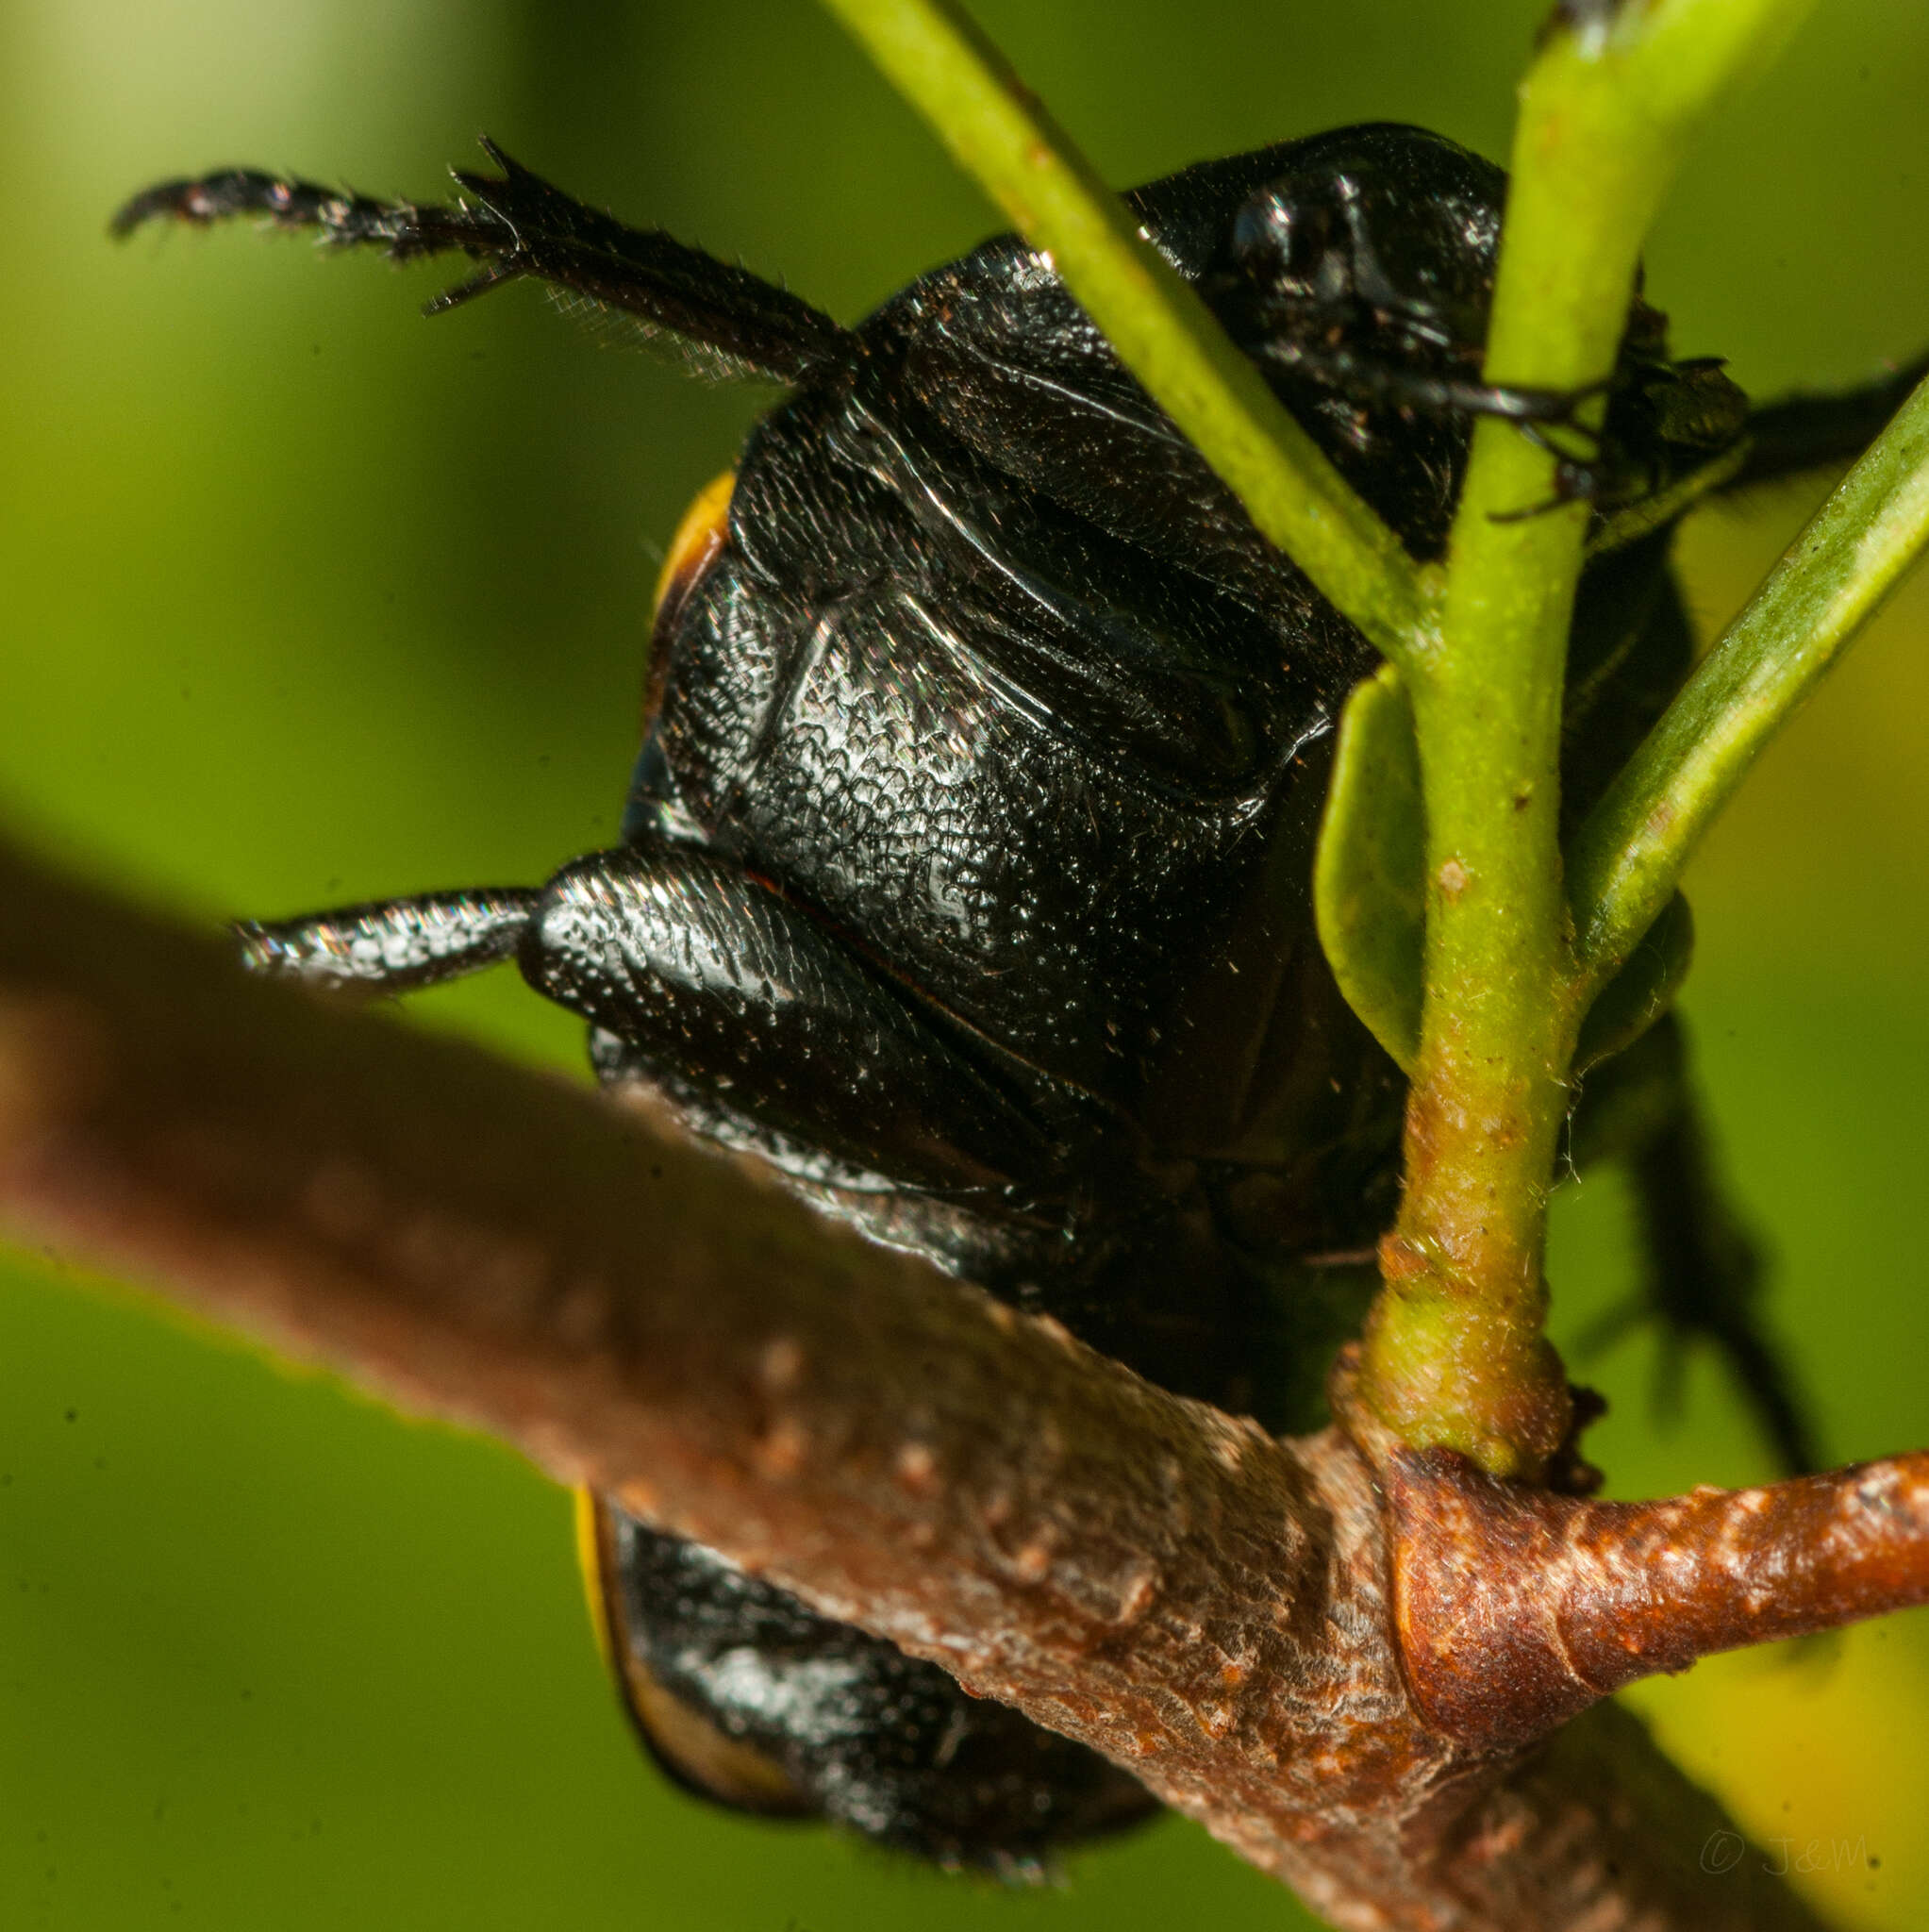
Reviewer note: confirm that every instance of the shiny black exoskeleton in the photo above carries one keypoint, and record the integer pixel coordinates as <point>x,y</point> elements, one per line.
<point>965,869</point>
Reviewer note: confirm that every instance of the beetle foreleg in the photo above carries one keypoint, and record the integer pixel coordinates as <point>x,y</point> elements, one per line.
<point>725,988</point>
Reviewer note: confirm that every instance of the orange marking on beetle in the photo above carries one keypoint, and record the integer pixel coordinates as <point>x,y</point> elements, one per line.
<point>590,1561</point>
<point>698,539</point>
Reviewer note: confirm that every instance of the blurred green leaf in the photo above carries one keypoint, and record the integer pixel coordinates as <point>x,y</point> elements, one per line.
<point>1370,877</point>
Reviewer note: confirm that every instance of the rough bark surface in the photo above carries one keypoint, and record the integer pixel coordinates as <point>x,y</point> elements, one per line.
<point>1221,1611</point>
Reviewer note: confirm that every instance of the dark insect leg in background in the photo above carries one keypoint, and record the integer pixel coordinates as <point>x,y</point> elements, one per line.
<point>1799,434</point>
<point>1704,1274</point>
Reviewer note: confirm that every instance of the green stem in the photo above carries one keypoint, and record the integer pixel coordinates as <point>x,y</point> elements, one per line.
<point>1455,1350</point>
<point>1456,1353</point>
<point>1630,852</point>
<point>1161,330</point>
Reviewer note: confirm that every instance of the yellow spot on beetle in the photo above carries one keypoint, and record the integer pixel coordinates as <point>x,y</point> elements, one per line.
<point>699,537</point>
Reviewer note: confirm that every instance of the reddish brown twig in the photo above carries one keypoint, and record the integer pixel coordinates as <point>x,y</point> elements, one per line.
<point>1547,1603</point>
<point>1210,1605</point>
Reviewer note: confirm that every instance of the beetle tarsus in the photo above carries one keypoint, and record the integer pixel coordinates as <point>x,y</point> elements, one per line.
<point>390,945</point>
<point>341,216</point>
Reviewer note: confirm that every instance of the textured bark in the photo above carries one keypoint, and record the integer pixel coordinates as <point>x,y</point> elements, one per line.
<point>1210,1607</point>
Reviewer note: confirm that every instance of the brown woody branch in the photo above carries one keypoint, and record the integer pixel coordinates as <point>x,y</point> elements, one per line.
<point>1563,1602</point>
<point>1212,1607</point>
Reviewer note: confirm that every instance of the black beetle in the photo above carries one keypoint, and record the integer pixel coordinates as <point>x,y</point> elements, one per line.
<point>965,868</point>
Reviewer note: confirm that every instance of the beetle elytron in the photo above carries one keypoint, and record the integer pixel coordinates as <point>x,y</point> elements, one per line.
<point>965,869</point>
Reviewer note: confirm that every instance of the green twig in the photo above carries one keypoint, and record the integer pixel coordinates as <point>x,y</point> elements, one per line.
<point>1161,330</point>
<point>1629,853</point>
<point>1455,1350</point>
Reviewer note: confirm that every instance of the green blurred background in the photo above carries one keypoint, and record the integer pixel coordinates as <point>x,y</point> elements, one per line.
<point>302,599</point>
